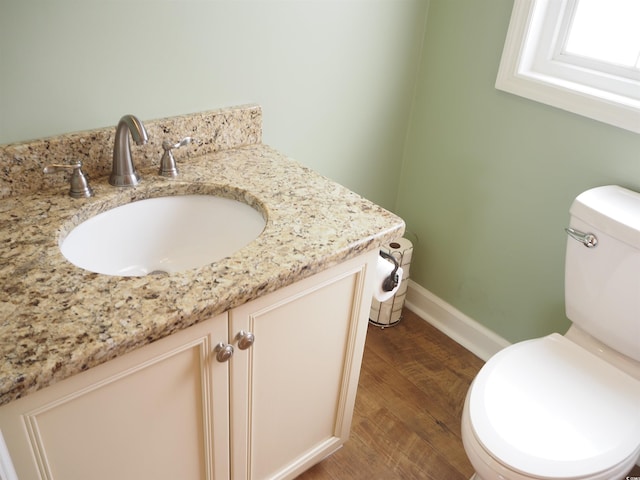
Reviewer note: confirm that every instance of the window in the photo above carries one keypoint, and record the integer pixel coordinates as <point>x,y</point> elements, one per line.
<point>608,32</point>
<point>579,55</point>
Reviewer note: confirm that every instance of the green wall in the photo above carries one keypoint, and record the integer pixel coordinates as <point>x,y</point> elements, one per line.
<point>334,77</point>
<point>488,177</point>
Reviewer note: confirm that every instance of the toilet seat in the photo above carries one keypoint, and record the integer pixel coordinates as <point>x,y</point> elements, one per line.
<point>532,408</point>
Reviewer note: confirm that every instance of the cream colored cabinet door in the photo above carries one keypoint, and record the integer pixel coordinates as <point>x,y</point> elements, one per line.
<point>293,390</point>
<point>160,412</point>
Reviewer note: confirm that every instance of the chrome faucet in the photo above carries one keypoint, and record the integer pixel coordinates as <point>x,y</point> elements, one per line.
<point>123,173</point>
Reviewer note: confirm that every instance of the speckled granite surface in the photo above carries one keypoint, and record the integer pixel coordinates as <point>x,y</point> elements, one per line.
<point>57,320</point>
<point>21,163</point>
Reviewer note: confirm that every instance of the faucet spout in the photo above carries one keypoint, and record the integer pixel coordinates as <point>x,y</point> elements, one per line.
<point>123,173</point>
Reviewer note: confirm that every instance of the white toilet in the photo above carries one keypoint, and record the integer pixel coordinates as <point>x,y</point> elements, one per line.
<point>568,407</point>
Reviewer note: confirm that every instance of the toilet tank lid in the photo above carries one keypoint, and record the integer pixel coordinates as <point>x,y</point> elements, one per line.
<point>611,209</point>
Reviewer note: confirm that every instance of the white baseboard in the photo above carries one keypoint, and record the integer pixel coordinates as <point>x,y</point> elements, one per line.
<point>473,336</point>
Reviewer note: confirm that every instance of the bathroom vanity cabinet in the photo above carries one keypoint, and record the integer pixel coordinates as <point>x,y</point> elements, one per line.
<point>177,409</point>
<point>105,377</point>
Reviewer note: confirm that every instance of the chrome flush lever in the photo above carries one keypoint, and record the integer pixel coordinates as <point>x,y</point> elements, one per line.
<point>589,240</point>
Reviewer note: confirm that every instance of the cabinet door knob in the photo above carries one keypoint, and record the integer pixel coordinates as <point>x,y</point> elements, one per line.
<point>245,339</point>
<point>223,352</point>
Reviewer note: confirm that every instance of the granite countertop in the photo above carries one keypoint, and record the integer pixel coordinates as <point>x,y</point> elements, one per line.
<point>57,320</point>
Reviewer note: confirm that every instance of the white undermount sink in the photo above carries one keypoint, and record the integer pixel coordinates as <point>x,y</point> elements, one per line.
<point>164,234</point>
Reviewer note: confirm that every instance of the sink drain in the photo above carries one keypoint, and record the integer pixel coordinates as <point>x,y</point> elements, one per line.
<point>158,272</point>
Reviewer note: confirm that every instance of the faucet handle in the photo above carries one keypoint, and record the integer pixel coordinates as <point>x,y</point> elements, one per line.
<point>79,183</point>
<point>168,166</point>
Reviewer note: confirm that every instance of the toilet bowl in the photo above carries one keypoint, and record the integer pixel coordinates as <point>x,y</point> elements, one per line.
<point>550,409</point>
<point>568,406</point>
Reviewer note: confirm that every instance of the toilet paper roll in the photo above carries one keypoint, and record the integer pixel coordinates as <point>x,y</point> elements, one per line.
<point>383,270</point>
<point>389,312</point>
<point>402,250</point>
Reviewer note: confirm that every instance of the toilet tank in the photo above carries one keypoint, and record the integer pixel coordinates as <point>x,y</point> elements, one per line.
<point>602,283</point>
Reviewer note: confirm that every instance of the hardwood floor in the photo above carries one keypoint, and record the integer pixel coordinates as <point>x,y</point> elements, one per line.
<point>406,423</point>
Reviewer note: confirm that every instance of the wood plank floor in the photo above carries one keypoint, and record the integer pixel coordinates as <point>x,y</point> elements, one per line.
<point>406,423</point>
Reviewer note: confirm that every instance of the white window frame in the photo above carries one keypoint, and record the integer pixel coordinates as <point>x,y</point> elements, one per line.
<point>533,67</point>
